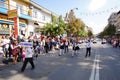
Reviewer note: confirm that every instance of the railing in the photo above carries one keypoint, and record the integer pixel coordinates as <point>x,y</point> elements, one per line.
<point>22,11</point>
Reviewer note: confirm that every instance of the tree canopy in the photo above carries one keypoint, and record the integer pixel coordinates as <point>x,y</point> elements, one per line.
<point>56,27</point>
<point>75,25</point>
<point>109,30</point>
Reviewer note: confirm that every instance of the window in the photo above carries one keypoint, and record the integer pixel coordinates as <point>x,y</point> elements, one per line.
<point>35,13</point>
<point>0,25</point>
<point>43,18</point>
<point>20,8</point>
<point>2,3</point>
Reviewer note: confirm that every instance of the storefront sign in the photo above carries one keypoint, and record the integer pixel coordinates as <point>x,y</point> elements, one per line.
<point>12,13</point>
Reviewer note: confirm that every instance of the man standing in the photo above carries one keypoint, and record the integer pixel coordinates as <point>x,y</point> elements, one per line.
<point>88,48</point>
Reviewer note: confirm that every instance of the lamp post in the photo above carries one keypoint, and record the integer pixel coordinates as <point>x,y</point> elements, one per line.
<point>74,9</point>
<point>69,14</point>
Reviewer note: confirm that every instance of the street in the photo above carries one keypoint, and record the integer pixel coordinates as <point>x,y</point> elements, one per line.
<point>103,64</point>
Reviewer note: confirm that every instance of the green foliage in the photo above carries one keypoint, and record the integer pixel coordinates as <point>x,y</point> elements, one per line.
<point>56,27</point>
<point>53,19</point>
<point>109,30</point>
<point>76,27</point>
<point>90,34</point>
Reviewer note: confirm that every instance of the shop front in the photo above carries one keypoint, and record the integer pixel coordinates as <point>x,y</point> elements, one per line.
<point>7,26</point>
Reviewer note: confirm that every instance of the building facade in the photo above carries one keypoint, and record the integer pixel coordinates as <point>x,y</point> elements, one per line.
<point>40,16</point>
<point>31,17</point>
<point>114,19</point>
<point>6,23</point>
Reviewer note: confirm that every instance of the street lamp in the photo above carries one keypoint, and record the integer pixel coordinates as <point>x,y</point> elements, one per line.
<point>68,15</point>
<point>71,15</point>
<point>74,9</point>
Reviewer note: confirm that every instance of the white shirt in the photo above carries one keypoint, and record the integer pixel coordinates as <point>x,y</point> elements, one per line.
<point>66,43</point>
<point>62,44</point>
<point>6,42</point>
<point>28,52</point>
<point>88,45</point>
<point>3,41</point>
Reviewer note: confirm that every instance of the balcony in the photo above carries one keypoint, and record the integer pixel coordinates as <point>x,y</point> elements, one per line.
<point>26,14</point>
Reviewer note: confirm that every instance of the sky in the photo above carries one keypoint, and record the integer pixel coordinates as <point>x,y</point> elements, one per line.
<point>94,13</point>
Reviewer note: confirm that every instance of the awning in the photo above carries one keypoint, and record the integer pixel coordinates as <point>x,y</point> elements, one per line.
<point>12,23</point>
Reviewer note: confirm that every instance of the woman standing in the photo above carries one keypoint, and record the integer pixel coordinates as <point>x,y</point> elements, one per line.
<point>15,50</point>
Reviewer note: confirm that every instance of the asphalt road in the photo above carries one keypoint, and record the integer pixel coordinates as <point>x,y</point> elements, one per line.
<point>103,64</point>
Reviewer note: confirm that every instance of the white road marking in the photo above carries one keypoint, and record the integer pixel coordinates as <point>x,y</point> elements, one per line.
<point>95,70</point>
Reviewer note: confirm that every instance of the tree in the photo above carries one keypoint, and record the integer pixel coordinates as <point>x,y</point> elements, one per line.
<point>90,34</point>
<point>74,25</point>
<point>56,27</point>
<point>61,26</point>
<point>109,30</point>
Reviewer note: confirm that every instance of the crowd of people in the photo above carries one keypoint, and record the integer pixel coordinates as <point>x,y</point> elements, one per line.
<point>115,42</point>
<point>42,45</point>
<point>13,51</point>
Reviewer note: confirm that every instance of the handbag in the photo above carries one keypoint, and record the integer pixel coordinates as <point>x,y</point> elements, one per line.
<point>23,55</point>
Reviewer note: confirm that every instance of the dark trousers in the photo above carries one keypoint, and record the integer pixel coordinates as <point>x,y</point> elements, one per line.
<point>30,60</point>
<point>66,49</point>
<point>88,52</point>
<point>7,53</point>
<point>46,49</point>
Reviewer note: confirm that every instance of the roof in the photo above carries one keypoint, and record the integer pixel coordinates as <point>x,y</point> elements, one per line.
<point>42,8</point>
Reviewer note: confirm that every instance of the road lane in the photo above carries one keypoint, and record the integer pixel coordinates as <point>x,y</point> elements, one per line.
<point>103,64</point>
<point>109,62</point>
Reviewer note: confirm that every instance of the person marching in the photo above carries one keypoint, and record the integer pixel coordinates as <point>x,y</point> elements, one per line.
<point>66,45</point>
<point>75,48</point>
<point>88,48</point>
<point>28,58</point>
<point>61,48</point>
